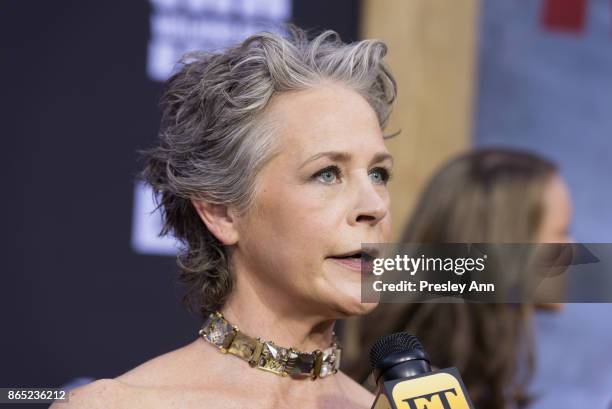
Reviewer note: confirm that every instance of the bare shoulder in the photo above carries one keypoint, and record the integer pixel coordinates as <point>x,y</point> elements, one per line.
<point>146,385</point>
<point>164,369</point>
<point>360,395</point>
<point>103,393</point>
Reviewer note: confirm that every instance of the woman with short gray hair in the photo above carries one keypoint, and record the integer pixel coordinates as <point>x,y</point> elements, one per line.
<point>271,170</point>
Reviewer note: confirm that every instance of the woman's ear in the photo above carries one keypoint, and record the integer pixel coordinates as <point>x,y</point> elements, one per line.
<point>219,219</point>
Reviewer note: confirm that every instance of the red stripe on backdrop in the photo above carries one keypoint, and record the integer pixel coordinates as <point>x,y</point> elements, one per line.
<point>564,15</point>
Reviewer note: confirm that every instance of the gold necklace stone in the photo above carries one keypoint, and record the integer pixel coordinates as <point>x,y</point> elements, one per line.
<point>268,356</point>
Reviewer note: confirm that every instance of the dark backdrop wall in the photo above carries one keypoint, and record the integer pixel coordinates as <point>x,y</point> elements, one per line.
<point>77,103</point>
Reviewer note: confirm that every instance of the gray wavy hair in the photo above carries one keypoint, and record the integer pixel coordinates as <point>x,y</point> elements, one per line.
<point>214,138</point>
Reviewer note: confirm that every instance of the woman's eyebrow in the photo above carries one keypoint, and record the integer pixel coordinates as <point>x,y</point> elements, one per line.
<point>346,157</point>
<point>334,155</point>
<point>382,156</point>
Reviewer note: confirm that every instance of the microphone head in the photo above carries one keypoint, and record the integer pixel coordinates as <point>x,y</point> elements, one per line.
<point>397,356</point>
<point>389,344</point>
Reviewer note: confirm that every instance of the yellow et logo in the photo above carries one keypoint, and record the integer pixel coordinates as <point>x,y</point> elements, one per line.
<point>436,391</point>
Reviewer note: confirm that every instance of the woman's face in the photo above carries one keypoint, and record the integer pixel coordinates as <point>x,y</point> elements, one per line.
<point>323,195</point>
<point>554,229</point>
<point>557,212</point>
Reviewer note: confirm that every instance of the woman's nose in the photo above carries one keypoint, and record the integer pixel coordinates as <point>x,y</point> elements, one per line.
<point>370,206</point>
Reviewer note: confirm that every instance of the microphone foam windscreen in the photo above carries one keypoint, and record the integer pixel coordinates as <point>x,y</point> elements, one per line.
<point>390,344</point>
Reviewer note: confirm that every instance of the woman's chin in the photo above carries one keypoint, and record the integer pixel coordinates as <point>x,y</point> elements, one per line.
<point>349,305</point>
<point>343,297</point>
<point>365,308</point>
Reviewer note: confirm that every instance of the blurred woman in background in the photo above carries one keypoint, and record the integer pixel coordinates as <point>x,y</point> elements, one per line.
<point>487,196</point>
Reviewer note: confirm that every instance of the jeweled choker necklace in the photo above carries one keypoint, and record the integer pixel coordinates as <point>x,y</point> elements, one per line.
<point>268,356</point>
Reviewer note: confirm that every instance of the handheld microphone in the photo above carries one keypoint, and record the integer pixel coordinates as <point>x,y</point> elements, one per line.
<point>402,371</point>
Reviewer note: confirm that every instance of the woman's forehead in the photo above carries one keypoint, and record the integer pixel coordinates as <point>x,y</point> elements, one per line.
<point>325,119</point>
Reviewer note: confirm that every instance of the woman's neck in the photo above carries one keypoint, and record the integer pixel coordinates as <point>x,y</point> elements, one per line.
<point>270,317</point>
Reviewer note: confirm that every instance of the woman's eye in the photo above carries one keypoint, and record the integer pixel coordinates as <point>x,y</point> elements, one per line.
<point>380,175</point>
<point>328,175</point>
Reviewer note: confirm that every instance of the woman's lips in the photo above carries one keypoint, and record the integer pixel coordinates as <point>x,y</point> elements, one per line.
<point>352,263</point>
